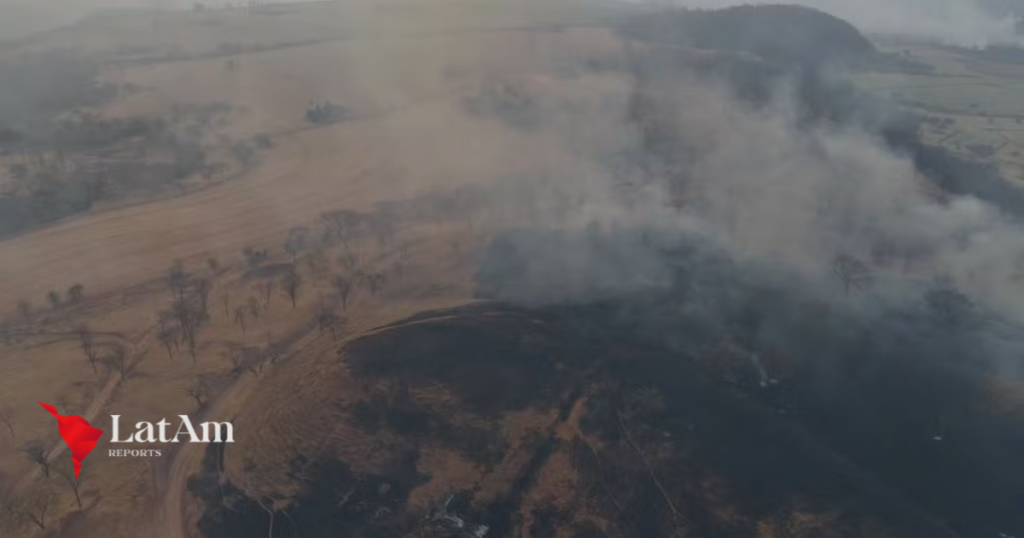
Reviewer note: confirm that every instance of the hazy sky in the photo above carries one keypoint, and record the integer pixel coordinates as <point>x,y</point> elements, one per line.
<point>960,22</point>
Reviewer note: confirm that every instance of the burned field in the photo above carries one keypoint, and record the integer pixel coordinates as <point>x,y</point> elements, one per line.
<point>648,438</point>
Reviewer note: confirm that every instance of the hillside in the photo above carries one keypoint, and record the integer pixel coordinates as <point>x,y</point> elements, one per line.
<point>787,35</point>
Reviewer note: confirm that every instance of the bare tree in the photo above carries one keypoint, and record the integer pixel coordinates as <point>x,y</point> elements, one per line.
<point>851,272</point>
<point>240,317</point>
<point>296,241</point>
<point>291,283</point>
<point>119,361</point>
<point>85,338</point>
<point>32,507</point>
<point>202,287</point>
<point>169,337</point>
<point>54,298</point>
<point>404,260</point>
<point>344,288</point>
<point>375,280</point>
<point>329,321</point>
<point>7,419</point>
<point>66,469</point>
<point>25,310</point>
<point>213,264</point>
<point>35,451</point>
<point>189,319</point>
<point>268,292</point>
<point>254,307</point>
<point>197,390</point>
<point>317,262</point>
<point>177,279</point>
<point>75,293</point>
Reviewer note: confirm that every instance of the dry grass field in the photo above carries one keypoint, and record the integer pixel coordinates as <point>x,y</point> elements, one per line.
<point>404,76</point>
<point>980,99</point>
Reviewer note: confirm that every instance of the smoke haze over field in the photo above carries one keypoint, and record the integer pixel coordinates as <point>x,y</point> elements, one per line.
<point>968,23</point>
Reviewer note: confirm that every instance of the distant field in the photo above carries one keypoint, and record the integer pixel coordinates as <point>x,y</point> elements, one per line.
<point>981,102</point>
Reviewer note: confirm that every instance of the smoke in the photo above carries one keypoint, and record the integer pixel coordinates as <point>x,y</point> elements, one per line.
<point>966,23</point>
<point>771,195</point>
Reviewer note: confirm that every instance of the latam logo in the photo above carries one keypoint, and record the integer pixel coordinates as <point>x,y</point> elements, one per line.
<point>81,437</point>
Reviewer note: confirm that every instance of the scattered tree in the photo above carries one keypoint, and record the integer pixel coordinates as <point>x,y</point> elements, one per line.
<point>85,338</point>
<point>35,451</point>
<point>254,307</point>
<point>32,507</point>
<point>189,318</point>
<point>120,362</point>
<point>291,283</point>
<point>66,469</point>
<point>240,317</point>
<point>54,298</point>
<point>329,321</point>
<point>202,287</point>
<point>169,337</point>
<point>296,241</point>
<point>344,288</point>
<point>178,279</point>
<point>75,293</point>
<point>197,390</point>
<point>213,264</point>
<point>268,292</point>
<point>851,272</point>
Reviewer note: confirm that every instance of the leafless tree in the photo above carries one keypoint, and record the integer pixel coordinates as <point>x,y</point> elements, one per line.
<point>197,390</point>
<point>178,280</point>
<point>344,287</point>
<point>329,321</point>
<point>32,507</point>
<point>851,272</point>
<point>317,262</point>
<point>189,319</point>
<point>375,281</point>
<point>202,287</point>
<point>240,317</point>
<point>213,264</point>
<point>54,298</point>
<point>66,469</point>
<point>35,451</point>
<point>7,419</point>
<point>169,338</point>
<point>75,293</point>
<point>296,241</point>
<point>119,361</point>
<point>291,283</point>
<point>85,338</point>
<point>25,310</point>
<point>268,292</point>
<point>254,307</point>
<point>404,260</point>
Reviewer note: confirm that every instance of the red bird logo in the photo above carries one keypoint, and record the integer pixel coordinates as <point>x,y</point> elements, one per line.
<point>77,433</point>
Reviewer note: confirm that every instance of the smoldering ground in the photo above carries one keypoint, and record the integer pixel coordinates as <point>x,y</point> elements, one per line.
<point>769,229</point>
